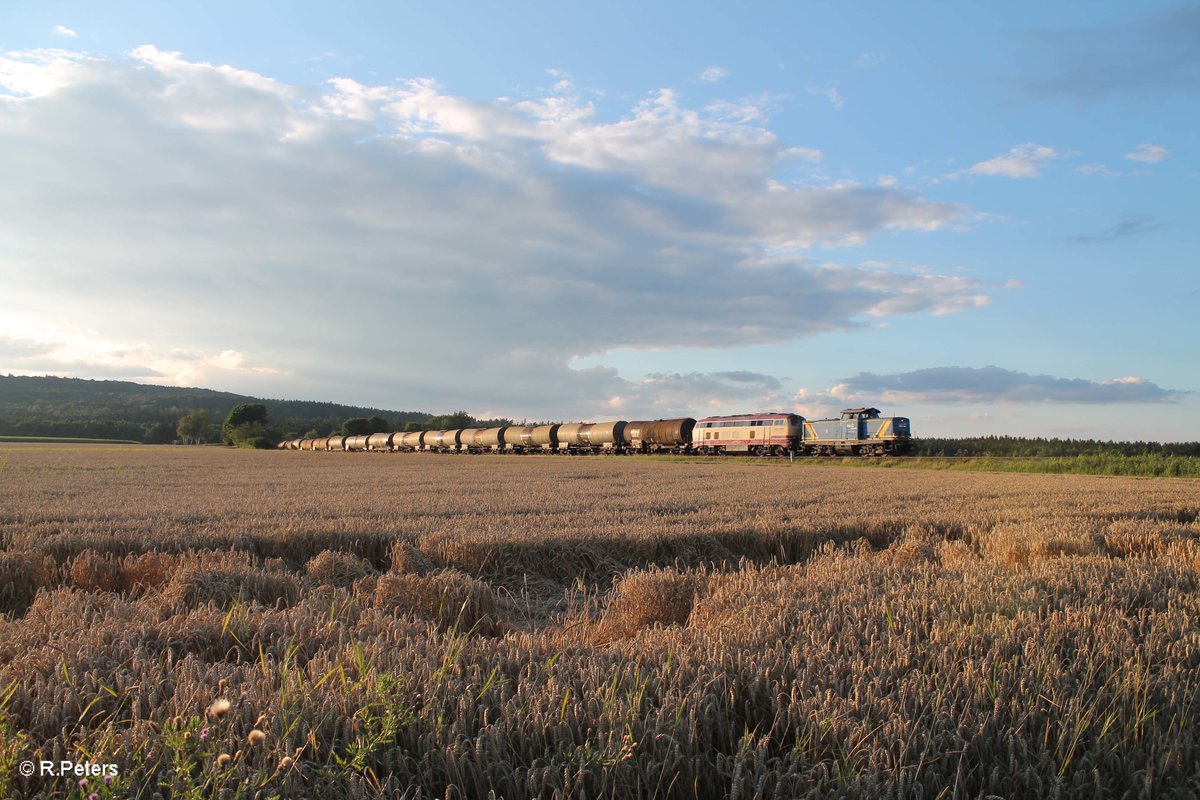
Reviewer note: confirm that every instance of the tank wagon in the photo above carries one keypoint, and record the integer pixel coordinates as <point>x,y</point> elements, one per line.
<point>594,436</point>
<point>659,435</point>
<point>858,431</point>
<point>489,439</point>
<point>381,441</point>
<point>531,438</point>
<point>441,441</point>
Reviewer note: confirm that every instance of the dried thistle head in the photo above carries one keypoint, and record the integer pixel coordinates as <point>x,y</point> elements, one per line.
<point>219,708</point>
<point>224,759</point>
<point>256,737</point>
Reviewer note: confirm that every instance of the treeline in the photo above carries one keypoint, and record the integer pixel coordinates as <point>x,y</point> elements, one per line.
<point>148,432</point>
<point>360,426</point>
<point>1016,446</point>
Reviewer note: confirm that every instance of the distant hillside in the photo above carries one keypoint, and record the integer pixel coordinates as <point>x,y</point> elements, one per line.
<point>49,406</point>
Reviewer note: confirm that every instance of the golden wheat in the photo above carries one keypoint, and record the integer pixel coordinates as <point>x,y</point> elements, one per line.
<point>224,623</point>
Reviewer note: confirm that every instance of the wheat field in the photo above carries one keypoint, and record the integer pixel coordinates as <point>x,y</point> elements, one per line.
<point>221,623</point>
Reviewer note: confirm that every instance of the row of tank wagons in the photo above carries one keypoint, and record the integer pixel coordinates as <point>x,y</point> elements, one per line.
<point>640,436</point>
<point>858,431</point>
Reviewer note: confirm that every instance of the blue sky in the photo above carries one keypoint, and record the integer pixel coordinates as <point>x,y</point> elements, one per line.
<point>981,217</point>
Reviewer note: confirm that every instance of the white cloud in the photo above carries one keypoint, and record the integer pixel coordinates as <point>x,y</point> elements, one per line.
<point>713,74</point>
<point>831,94</point>
<point>1098,169</point>
<point>1023,161</point>
<point>810,155</point>
<point>41,72</point>
<point>1148,153</point>
<point>376,243</point>
<point>869,60</point>
<point>64,31</point>
<point>31,346</point>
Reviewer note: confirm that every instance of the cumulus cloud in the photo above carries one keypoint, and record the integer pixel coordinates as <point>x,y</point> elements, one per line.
<point>1148,153</point>
<point>1023,161</point>
<point>398,245</point>
<point>713,74</point>
<point>65,32</point>
<point>994,384</point>
<point>716,392</point>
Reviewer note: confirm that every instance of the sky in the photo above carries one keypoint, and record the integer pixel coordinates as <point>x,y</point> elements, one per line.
<point>982,217</point>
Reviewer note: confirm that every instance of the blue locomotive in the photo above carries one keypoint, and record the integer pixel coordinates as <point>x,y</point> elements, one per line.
<point>859,431</point>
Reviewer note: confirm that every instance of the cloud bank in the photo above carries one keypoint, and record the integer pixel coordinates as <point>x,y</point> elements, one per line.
<point>399,245</point>
<point>1130,225</point>
<point>993,385</point>
<point>1146,57</point>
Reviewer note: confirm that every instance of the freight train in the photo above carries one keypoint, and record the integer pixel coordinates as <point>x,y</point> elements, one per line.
<point>859,431</point>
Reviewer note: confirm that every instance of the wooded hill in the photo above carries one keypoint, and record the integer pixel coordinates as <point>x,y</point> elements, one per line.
<point>105,409</point>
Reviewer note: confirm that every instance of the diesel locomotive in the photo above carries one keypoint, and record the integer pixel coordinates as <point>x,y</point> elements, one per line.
<point>859,431</point>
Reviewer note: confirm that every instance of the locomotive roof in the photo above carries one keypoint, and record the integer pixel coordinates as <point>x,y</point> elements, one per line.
<point>762,415</point>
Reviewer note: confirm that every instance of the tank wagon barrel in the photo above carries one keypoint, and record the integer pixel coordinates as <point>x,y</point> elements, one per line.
<point>568,434</point>
<point>659,434</point>
<point>603,434</point>
<point>519,437</point>
<point>380,441</point>
<point>544,436</point>
<point>493,438</point>
<point>355,442</point>
<point>467,436</point>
